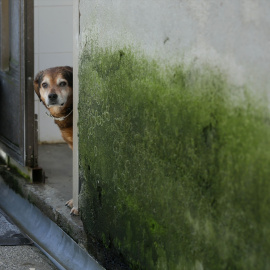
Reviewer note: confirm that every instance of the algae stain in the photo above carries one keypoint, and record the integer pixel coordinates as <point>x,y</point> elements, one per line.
<point>180,160</point>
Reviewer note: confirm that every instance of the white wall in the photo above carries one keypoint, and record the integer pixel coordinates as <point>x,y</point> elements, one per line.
<point>53,40</point>
<point>233,35</point>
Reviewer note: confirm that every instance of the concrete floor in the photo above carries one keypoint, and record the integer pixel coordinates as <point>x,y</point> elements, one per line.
<point>24,258</point>
<point>56,161</point>
<point>14,254</point>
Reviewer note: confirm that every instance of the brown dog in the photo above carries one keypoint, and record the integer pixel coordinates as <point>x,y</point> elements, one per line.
<point>54,87</point>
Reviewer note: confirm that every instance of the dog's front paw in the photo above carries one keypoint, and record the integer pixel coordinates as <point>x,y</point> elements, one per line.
<point>69,203</point>
<point>74,211</point>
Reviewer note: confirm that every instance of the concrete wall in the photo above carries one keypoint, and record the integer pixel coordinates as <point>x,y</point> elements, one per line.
<point>232,35</point>
<point>53,47</point>
<point>174,132</point>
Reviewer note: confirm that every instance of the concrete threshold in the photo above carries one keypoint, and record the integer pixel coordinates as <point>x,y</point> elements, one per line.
<point>39,210</point>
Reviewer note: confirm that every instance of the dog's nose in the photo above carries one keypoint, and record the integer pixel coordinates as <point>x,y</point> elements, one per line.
<point>52,96</point>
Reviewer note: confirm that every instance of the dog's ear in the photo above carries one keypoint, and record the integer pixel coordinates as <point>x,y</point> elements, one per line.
<point>68,75</point>
<point>37,82</point>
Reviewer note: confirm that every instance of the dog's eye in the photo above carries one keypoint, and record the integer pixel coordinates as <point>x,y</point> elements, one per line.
<point>62,84</point>
<point>44,85</point>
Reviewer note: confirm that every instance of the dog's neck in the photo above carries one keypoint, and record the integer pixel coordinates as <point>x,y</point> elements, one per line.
<point>63,119</point>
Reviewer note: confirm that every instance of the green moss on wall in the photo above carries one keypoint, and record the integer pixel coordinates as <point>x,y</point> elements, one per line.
<point>175,163</point>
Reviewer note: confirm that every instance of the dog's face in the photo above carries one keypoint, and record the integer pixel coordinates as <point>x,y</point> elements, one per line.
<point>54,87</point>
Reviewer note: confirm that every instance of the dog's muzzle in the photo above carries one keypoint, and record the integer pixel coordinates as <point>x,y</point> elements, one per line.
<point>52,97</point>
<point>53,100</point>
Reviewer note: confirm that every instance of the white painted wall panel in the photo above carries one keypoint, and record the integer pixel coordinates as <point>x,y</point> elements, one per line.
<point>53,39</point>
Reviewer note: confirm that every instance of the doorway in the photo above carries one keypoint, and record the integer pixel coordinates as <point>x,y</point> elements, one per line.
<point>45,39</point>
<point>53,46</point>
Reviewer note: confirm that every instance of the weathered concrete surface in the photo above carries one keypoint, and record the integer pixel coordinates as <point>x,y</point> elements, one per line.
<point>230,35</point>
<point>56,161</point>
<point>49,200</point>
<point>23,258</point>
<point>171,146</point>
<point>17,251</point>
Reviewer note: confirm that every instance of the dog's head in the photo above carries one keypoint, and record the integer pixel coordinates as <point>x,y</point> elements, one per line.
<point>54,87</point>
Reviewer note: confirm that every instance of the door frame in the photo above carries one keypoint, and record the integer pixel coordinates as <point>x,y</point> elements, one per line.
<point>25,155</point>
<point>76,38</point>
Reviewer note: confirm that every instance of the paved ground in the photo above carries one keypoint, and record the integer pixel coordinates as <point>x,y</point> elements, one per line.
<point>16,256</point>
<point>56,161</point>
<point>23,258</point>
